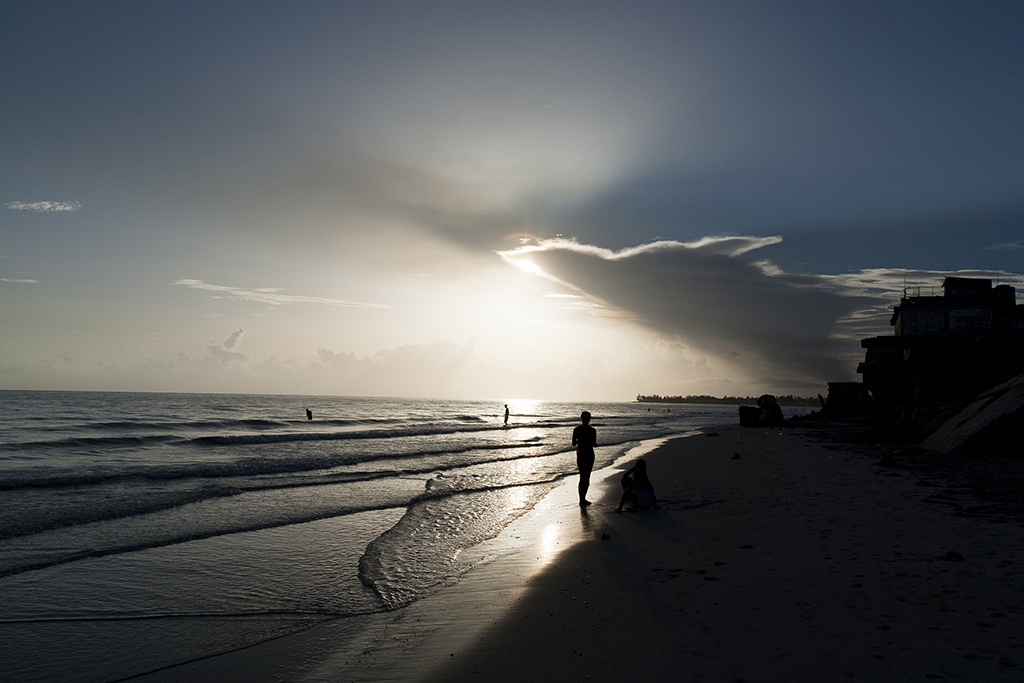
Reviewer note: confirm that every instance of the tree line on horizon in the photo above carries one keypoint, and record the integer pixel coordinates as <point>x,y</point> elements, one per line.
<point>788,400</point>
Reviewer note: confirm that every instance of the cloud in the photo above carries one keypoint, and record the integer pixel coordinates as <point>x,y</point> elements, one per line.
<point>233,338</point>
<point>337,361</point>
<point>352,192</point>
<point>268,295</point>
<point>413,369</point>
<point>418,368</point>
<point>223,361</point>
<point>19,281</point>
<point>886,286</point>
<point>1006,246</point>
<point>746,312</point>
<point>890,281</point>
<point>225,351</point>
<point>45,207</point>
<point>749,312</point>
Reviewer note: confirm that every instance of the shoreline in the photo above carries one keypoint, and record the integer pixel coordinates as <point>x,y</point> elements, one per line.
<point>801,559</point>
<point>804,558</point>
<point>398,644</point>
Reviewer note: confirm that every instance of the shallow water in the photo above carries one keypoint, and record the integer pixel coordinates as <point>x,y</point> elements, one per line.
<point>142,530</point>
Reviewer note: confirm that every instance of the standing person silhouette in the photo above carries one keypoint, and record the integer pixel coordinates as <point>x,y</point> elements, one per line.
<point>584,438</point>
<point>506,413</point>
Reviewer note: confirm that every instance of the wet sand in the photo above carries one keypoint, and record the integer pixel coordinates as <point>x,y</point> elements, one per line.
<point>800,560</point>
<point>775,555</point>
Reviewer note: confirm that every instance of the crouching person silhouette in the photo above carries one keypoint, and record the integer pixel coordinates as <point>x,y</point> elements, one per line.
<point>638,490</point>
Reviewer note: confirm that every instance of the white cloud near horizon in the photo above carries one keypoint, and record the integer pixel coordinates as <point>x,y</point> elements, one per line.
<point>19,281</point>
<point>428,369</point>
<point>225,351</point>
<point>45,207</point>
<point>268,295</point>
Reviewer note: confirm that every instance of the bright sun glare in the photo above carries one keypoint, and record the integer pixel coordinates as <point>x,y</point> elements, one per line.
<point>527,266</point>
<point>523,406</point>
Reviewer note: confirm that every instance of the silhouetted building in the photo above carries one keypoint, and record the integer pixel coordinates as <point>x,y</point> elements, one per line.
<point>948,348</point>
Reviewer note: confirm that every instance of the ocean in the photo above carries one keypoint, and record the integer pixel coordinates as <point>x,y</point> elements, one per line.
<point>143,530</point>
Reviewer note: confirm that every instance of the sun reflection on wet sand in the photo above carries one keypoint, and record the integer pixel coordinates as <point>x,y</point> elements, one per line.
<point>535,540</point>
<point>549,545</point>
<point>505,565</point>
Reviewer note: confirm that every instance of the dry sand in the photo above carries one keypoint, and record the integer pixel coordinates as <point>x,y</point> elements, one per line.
<point>776,555</point>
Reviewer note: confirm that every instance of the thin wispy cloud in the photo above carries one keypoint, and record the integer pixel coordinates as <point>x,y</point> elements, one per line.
<point>45,207</point>
<point>890,282</point>
<point>268,295</point>
<point>19,281</point>
<point>887,286</point>
<point>1006,246</point>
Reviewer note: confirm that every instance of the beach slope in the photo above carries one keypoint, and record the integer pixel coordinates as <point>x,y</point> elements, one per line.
<point>776,554</point>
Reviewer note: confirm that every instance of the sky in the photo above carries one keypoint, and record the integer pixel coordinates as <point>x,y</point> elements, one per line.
<point>549,200</point>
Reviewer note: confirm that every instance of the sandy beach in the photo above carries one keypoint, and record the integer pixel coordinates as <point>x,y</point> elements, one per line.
<point>776,555</point>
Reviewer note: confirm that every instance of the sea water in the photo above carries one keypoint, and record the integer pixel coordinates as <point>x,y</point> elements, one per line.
<point>139,531</point>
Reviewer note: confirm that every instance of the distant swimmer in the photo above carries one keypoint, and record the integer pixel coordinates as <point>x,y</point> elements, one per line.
<point>584,438</point>
<point>506,413</point>
<point>309,414</point>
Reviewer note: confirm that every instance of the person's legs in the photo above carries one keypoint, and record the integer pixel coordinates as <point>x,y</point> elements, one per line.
<point>586,466</point>
<point>584,485</point>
